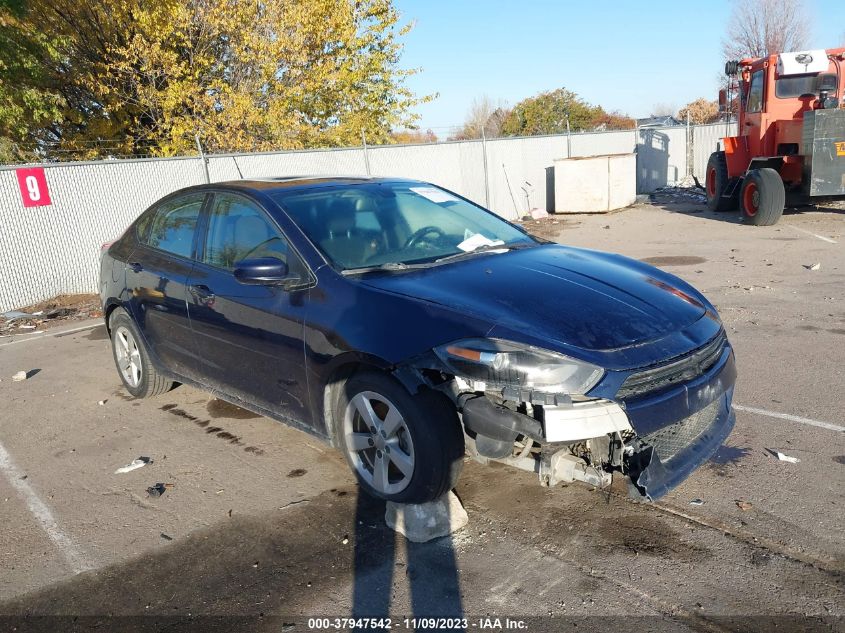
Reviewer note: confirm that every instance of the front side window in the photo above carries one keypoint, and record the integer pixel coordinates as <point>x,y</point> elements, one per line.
<point>238,230</point>
<point>172,225</point>
<point>383,223</point>
<point>755,92</point>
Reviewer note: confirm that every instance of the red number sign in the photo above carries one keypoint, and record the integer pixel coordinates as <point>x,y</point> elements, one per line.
<point>33,185</point>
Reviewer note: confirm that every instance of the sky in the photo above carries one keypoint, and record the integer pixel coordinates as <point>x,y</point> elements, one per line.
<point>623,55</point>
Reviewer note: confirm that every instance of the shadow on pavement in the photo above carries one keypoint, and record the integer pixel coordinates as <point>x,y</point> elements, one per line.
<point>430,568</point>
<point>330,556</point>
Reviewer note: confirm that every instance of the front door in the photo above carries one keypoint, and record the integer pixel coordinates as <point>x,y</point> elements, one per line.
<point>754,113</point>
<point>157,274</point>
<point>248,338</point>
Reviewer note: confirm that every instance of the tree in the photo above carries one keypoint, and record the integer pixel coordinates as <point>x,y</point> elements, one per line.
<point>546,113</point>
<point>484,115</point>
<point>144,77</point>
<point>662,109</point>
<point>700,111</point>
<point>759,28</point>
<point>612,121</point>
<point>409,137</point>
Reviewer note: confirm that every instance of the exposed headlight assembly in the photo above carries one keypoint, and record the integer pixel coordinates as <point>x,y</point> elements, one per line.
<point>504,364</point>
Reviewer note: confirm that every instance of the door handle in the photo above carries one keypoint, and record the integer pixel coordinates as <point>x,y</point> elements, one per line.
<point>136,267</point>
<point>201,291</point>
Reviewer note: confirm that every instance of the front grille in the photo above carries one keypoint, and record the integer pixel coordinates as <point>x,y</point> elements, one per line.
<point>674,372</point>
<point>672,439</point>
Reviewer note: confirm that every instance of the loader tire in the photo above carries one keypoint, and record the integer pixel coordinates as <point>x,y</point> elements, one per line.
<point>763,197</point>
<point>716,182</point>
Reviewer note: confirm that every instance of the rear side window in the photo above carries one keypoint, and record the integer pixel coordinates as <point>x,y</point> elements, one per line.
<point>173,225</point>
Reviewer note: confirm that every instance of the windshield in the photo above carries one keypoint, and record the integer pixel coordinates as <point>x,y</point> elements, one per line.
<point>389,224</point>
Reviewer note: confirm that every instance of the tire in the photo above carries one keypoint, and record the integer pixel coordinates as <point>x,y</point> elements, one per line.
<point>763,197</point>
<point>417,450</point>
<point>716,182</point>
<point>132,360</point>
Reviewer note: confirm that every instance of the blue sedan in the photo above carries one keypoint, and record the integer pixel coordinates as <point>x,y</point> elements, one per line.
<point>407,326</point>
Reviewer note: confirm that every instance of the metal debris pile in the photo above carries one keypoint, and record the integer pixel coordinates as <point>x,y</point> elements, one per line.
<point>686,190</point>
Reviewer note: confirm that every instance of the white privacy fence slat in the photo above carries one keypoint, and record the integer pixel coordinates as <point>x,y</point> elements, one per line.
<point>51,250</point>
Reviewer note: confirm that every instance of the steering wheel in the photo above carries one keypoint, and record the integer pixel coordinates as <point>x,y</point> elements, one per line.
<point>416,236</point>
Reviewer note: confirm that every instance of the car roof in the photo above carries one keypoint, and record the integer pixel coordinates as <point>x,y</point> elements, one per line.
<point>281,183</point>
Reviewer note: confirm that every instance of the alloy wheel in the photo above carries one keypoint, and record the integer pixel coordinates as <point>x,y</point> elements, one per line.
<point>378,442</point>
<point>128,356</point>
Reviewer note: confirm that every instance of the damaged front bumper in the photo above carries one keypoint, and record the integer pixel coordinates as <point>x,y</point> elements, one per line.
<point>656,439</point>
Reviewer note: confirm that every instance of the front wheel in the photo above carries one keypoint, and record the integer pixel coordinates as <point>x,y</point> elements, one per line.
<point>763,197</point>
<point>402,447</point>
<point>132,360</point>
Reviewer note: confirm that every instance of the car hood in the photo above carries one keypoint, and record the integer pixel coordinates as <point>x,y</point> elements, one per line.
<point>575,297</point>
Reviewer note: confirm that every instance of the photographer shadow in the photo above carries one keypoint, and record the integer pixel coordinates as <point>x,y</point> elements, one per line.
<point>433,581</point>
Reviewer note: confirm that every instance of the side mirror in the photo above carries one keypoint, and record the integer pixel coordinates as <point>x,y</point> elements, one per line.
<point>264,271</point>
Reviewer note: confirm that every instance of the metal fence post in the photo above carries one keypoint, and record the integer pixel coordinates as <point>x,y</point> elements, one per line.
<point>568,139</point>
<point>689,148</point>
<point>202,158</point>
<point>486,171</point>
<point>366,154</point>
<point>636,152</point>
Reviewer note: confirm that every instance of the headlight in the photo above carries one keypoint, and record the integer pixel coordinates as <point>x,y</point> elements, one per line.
<point>500,363</point>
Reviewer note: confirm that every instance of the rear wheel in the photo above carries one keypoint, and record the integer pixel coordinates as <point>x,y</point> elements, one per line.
<point>717,182</point>
<point>401,447</point>
<point>132,360</point>
<point>763,197</point>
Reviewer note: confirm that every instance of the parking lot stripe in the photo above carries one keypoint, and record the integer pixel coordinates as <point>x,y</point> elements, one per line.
<point>42,513</point>
<point>821,237</point>
<point>791,418</point>
<point>31,336</point>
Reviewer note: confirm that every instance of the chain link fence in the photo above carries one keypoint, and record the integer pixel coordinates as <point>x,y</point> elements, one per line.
<point>54,249</point>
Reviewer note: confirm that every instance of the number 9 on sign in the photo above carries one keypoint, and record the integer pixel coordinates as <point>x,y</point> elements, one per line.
<point>32,187</point>
<point>32,182</point>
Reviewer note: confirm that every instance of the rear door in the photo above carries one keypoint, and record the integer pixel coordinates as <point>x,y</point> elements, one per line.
<point>248,338</point>
<point>156,277</point>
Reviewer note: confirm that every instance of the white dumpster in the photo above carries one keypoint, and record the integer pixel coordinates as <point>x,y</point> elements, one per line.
<point>592,184</point>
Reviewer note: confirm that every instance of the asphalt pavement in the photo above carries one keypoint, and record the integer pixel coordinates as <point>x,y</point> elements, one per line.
<point>260,526</point>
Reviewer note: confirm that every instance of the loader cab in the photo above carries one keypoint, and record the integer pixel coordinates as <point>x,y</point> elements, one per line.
<point>776,91</point>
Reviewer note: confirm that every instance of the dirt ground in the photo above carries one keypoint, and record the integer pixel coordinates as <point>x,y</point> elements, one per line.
<point>263,528</point>
<point>46,315</point>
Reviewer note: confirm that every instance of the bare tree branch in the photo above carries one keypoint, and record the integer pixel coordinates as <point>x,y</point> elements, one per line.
<point>484,114</point>
<point>759,28</point>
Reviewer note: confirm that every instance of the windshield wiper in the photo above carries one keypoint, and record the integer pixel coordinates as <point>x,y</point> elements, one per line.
<point>483,249</point>
<point>400,266</point>
<point>386,266</point>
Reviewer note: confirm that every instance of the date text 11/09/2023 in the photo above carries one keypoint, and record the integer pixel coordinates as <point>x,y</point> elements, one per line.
<point>416,624</point>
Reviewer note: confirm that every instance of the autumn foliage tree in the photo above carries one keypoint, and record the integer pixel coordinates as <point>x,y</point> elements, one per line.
<point>146,76</point>
<point>410,137</point>
<point>700,111</point>
<point>547,113</point>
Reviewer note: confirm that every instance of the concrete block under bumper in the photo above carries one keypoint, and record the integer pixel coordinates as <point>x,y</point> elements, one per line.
<point>422,522</point>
